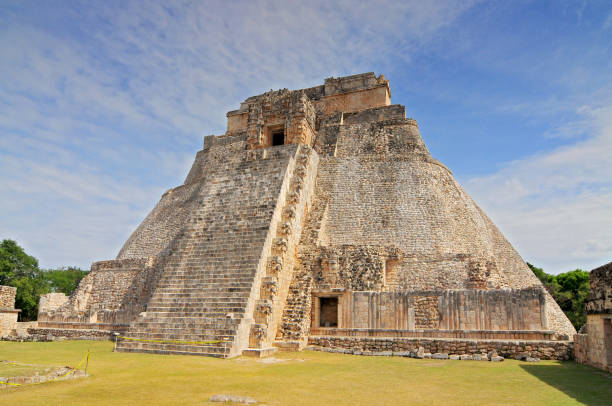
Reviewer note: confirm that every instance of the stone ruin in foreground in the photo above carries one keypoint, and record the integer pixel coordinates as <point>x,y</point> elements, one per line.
<point>318,218</point>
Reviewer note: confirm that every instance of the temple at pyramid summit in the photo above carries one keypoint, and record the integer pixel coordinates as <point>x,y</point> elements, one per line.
<point>319,219</point>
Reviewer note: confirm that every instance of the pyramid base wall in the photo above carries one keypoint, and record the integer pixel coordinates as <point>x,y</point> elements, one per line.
<point>516,349</point>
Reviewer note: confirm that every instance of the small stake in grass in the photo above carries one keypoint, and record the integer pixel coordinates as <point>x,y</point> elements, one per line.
<point>116,335</point>
<point>87,362</point>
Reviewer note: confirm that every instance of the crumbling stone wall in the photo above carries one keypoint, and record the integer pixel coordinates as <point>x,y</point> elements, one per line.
<point>594,344</point>
<point>7,297</point>
<point>518,349</point>
<point>8,313</point>
<point>112,293</point>
<point>600,296</point>
<point>51,301</point>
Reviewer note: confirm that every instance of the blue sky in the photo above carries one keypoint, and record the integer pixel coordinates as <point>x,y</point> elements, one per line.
<point>103,106</point>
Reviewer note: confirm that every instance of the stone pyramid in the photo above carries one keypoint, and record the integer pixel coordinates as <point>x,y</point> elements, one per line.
<point>318,217</point>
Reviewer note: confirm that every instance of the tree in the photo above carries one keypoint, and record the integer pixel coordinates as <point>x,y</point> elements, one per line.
<point>574,288</point>
<point>569,289</point>
<point>20,270</point>
<point>28,295</point>
<point>15,263</point>
<point>64,280</point>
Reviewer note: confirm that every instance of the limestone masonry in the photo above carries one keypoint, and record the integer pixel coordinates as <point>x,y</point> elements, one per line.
<point>8,313</point>
<point>319,215</point>
<point>594,344</point>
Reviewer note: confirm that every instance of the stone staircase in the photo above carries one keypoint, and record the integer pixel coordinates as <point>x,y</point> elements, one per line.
<point>208,294</point>
<point>281,259</point>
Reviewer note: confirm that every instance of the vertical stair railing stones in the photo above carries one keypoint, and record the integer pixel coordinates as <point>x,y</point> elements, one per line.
<point>268,311</point>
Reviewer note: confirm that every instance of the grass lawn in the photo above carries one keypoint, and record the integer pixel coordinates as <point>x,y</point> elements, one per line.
<point>305,378</point>
<point>9,369</point>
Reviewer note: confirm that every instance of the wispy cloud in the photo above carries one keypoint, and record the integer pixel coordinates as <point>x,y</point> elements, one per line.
<point>556,207</point>
<point>103,104</point>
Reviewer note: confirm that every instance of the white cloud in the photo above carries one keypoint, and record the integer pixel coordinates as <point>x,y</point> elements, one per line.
<point>556,207</point>
<point>102,107</point>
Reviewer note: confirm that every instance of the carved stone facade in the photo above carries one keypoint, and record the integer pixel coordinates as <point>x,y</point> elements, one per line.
<point>319,212</point>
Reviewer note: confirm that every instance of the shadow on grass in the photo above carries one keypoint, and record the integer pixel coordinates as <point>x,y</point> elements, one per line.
<point>584,383</point>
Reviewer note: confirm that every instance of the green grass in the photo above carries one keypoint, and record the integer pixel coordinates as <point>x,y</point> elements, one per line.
<point>305,378</point>
<point>9,369</point>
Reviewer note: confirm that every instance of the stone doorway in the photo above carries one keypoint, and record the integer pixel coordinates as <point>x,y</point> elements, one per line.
<point>278,137</point>
<point>328,313</point>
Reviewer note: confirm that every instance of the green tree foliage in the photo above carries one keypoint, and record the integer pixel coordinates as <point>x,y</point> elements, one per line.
<point>15,263</point>
<point>29,290</point>
<point>569,289</point>
<point>64,280</point>
<point>21,270</point>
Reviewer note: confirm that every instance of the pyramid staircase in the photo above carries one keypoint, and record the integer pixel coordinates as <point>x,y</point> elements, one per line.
<point>280,259</point>
<point>209,292</point>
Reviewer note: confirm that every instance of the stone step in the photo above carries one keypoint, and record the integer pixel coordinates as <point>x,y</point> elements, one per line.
<point>207,280</point>
<point>166,352</point>
<point>175,318</point>
<point>195,304</point>
<point>168,348</point>
<point>161,324</point>
<point>219,290</point>
<point>183,302</point>
<point>199,271</point>
<point>215,269</point>
<point>205,286</point>
<point>196,312</point>
<point>182,334</point>
<point>185,290</point>
<point>197,298</point>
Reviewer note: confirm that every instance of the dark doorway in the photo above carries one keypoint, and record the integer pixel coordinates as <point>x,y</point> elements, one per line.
<point>278,138</point>
<point>329,312</point>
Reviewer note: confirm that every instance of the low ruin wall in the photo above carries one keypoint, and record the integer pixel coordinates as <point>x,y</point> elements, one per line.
<point>594,345</point>
<point>7,297</point>
<point>556,350</point>
<point>8,313</point>
<point>111,295</point>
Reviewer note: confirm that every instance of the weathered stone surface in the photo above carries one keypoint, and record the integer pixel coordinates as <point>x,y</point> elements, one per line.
<point>8,313</point>
<point>320,212</point>
<point>559,350</point>
<point>600,296</point>
<point>232,398</point>
<point>53,374</point>
<point>439,355</point>
<point>7,297</point>
<point>593,345</point>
